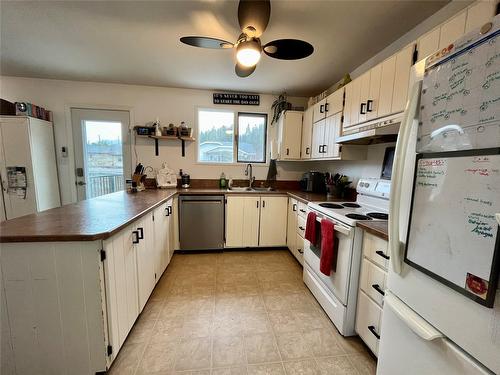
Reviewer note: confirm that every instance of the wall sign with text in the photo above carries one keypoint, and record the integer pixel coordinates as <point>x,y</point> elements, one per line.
<point>236,99</point>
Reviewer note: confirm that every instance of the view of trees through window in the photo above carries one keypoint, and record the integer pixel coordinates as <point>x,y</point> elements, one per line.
<point>216,137</point>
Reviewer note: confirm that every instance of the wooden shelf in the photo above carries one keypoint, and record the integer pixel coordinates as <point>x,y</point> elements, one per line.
<point>168,138</point>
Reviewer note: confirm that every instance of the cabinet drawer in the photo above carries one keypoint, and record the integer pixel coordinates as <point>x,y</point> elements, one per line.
<point>368,319</point>
<point>375,248</point>
<point>301,226</point>
<point>302,209</point>
<point>373,281</point>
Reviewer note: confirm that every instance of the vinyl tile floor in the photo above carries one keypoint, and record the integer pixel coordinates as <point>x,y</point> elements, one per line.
<point>232,313</point>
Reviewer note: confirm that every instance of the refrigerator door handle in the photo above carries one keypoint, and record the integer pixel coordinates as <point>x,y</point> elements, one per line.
<point>416,323</point>
<point>397,176</point>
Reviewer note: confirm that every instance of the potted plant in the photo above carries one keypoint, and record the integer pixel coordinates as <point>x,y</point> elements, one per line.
<point>278,106</point>
<point>336,185</point>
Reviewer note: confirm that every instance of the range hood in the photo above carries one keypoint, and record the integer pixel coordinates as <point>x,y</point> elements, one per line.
<point>382,130</point>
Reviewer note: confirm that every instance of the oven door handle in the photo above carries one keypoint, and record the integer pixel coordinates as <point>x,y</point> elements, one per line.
<point>338,227</point>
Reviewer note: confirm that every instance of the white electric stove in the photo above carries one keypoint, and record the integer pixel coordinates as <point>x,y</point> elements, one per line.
<point>337,293</point>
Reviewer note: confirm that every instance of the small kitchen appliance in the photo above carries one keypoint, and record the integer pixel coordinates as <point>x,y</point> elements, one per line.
<point>313,182</point>
<point>166,177</point>
<point>185,180</point>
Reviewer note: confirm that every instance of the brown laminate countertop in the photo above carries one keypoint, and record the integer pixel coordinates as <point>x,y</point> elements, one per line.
<point>99,218</point>
<point>377,228</point>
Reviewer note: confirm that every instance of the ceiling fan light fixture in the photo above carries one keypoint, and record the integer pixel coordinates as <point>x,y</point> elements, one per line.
<point>248,53</point>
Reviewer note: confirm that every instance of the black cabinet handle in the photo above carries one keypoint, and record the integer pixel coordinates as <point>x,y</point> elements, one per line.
<point>300,251</point>
<point>372,330</point>
<point>294,207</point>
<point>325,147</point>
<point>263,204</point>
<point>302,211</point>
<point>369,105</point>
<point>361,110</point>
<point>257,204</point>
<point>167,212</point>
<point>326,107</point>
<point>321,108</point>
<point>378,289</point>
<point>287,151</point>
<point>302,228</point>
<point>307,150</point>
<point>382,254</point>
<point>141,233</point>
<point>170,210</point>
<point>136,234</point>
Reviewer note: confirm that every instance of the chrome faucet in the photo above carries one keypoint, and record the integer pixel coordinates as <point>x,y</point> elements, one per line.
<point>249,173</point>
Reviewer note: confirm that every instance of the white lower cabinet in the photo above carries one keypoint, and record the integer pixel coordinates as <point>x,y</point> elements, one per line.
<point>68,307</point>
<point>256,221</point>
<point>163,236</point>
<point>295,229</point>
<point>371,292</point>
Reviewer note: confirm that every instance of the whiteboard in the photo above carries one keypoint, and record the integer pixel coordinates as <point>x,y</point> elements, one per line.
<point>460,98</point>
<point>453,234</point>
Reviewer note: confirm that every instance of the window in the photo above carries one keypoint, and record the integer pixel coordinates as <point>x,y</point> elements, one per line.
<point>220,141</point>
<point>252,137</point>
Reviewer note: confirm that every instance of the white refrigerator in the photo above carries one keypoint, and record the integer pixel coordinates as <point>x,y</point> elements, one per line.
<point>441,312</point>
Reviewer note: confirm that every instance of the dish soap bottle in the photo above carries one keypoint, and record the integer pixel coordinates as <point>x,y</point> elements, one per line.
<point>222,181</point>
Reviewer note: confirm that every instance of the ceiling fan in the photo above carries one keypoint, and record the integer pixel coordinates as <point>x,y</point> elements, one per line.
<point>253,17</point>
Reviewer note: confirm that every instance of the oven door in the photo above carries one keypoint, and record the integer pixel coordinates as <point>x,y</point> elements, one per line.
<point>338,281</point>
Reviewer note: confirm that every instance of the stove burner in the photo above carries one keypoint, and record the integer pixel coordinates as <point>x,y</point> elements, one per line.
<point>353,205</point>
<point>330,205</point>
<point>358,217</point>
<point>378,215</point>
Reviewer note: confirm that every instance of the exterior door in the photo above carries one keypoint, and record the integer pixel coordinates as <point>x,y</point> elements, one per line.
<point>101,141</point>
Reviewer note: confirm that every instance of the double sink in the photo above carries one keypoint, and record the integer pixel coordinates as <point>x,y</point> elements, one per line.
<point>251,189</point>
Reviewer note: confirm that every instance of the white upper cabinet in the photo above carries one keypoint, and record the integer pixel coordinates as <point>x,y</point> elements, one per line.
<point>334,102</point>
<point>402,78</point>
<point>289,138</point>
<point>318,135</point>
<point>319,110</point>
<point>364,91</point>
<point>332,131</point>
<point>386,86</point>
<point>273,219</point>
<point>428,43</point>
<point>307,124</point>
<point>479,13</point>
<point>352,102</point>
<point>452,29</point>
<point>373,98</point>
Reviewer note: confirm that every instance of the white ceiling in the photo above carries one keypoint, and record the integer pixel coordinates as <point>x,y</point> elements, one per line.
<point>137,42</point>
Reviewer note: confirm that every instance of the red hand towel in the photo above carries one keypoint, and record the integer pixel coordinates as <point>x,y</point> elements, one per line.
<point>310,234</point>
<point>327,246</point>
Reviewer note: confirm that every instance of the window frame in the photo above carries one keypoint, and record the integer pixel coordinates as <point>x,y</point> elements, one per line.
<point>237,135</point>
<point>236,114</point>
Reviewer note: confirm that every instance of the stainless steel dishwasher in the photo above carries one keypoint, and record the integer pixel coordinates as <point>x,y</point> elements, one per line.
<point>201,222</point>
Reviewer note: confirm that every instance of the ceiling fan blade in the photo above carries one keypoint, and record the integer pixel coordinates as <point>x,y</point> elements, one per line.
<point>288,49</point>
<point>243,71</point>
<point>206,42</point>
<point>253,16</point>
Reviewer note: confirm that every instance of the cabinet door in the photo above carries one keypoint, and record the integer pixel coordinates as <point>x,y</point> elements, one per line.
<point>291,237</point>
<point>452,30</point>
<point>273,218</point>
<point>364,93</point>
<point>234,221</point>
<point>145,258</point>
<point>386,86</point>
<point>242,221</point>
<point>428,44</point>
<point>171,230</point>
<point>334,102</point>
<point>291,132</point>
<point>332,132</point>
<point>159,229</point>
<point>374,92</point>
<point>354,108</point>
<point>319,110</point>
<point>401,79</point>
<point>479,13</point>
<point>318,135</point>
<point>307,125</point>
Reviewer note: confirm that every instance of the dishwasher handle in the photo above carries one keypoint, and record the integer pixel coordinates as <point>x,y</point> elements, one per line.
<point>201,198</point>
